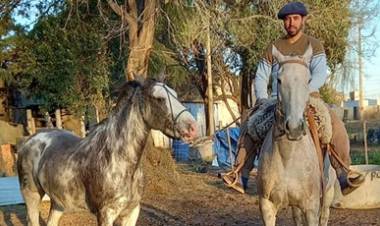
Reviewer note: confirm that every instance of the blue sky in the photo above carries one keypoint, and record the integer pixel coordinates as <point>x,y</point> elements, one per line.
<point>372,71</point>
<point>371,67</point>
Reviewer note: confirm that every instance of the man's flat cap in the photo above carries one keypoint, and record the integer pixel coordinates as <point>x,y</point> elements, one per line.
<point>292,8</point>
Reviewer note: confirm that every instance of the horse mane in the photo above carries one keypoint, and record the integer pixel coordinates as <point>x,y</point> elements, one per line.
<point>110,130</point>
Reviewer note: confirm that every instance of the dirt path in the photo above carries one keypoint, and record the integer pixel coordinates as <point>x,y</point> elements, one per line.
<point>201,199</point>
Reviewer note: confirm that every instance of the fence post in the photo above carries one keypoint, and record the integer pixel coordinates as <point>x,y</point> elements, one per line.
<point>365,141</point>
<point>82,126</point>
<point>31,126</point>
<point>58,118</point>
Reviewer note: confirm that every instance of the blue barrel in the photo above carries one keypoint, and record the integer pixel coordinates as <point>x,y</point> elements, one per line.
<point>180,151</point>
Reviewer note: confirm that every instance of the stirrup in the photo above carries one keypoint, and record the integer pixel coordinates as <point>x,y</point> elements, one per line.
<point>235,184</point>
<point>227,180</point>
<point>355,179</point>
<point>352,182</point>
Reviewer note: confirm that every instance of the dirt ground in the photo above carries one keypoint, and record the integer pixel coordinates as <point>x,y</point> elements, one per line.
<point>190,195</point>
<point>201,200</point>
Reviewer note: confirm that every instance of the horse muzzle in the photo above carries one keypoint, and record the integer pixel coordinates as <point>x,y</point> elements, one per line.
<point>190,132</point>
<point>295,131</point>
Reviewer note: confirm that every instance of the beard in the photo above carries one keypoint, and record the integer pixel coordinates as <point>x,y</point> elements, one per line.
<point>293,31</point>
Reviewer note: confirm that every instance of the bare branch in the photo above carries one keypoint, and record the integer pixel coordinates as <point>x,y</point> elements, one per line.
<point>115,7</point>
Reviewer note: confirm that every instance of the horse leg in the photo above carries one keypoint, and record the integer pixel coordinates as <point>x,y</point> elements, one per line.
<point>107,216</point>
<point>32,201</point>
<point>268,212</point>
<point>328,198</point>
<point>325,213</point>
<point>298,216</point>
<point>130,217</point>
<point>31,193</point>
<point>312,217</point>
<point>54,215</point>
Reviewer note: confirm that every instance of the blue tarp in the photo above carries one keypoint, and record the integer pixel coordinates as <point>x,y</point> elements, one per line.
<point>180,151</point>
<point>221,148</point>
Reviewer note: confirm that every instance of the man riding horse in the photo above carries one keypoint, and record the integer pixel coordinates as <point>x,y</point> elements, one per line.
<point>294,43</point>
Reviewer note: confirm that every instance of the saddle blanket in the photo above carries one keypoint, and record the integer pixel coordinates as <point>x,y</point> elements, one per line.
<point>262,117</point>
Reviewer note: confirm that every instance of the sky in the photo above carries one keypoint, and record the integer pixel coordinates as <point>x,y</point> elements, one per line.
<point>371,67</point>
<point>372,71</point>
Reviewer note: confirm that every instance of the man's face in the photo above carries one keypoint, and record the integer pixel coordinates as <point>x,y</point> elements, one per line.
<point>293,24</point>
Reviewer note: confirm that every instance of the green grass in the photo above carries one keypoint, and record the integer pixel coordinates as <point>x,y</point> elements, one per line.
<point>358,157</point>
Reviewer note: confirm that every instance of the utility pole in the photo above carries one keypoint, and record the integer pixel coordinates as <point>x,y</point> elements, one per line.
<point>209,84</point>
<point>361,72</point>
<point>361,88</point>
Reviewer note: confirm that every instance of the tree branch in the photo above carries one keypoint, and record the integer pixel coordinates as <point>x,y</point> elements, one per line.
<point>115,7</point>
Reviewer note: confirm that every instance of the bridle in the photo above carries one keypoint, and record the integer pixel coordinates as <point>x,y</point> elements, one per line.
<point>294,61</point>
<point>170,94</point>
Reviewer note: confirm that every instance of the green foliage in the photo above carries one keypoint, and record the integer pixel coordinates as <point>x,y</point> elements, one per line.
<point>258,27</point>
<point>245,27</point>
<point>68,61</point>
<point>330,22</point>
<point>330,95</point>
<point>72,55</point>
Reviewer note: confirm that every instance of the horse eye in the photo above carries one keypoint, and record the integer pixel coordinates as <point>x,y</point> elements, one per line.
<point>279,81</point>
<point>309,81</point>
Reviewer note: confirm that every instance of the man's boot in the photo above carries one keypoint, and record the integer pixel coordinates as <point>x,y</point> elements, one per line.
<point>341,145</point>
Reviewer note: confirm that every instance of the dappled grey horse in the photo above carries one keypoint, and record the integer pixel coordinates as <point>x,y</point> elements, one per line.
<point>289,172</point>
<point>102,172</point>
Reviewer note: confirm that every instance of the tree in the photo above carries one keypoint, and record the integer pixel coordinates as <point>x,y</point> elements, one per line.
<point>63,61</point>
<point>140,16</point>
<point>183,45</point>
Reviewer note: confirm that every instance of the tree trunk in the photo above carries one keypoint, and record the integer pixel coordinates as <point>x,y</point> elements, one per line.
<point>245,100</point>
<point>138,61</point>
<point>207,118</point>
<point>140,16</point>
<point>3,101</point>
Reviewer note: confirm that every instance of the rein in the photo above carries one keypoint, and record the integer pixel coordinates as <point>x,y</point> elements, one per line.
<point>279,130</point>
<point>315,137</point>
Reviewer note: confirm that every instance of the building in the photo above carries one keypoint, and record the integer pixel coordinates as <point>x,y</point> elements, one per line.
<point>351,106</point>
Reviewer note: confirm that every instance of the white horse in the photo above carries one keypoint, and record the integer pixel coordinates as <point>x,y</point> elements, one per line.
<point>102,172</point>
<point>289,172</point>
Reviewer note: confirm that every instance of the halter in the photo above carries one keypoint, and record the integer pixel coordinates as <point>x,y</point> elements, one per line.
<point>294,61</point>
<point>171,107</point>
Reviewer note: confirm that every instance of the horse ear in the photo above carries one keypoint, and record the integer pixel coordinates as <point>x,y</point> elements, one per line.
<point>140,79</point>
<point>308,54</point>
<point>162,76</point>
<point>277,54</point>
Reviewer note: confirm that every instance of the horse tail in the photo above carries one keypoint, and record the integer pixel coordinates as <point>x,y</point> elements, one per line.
<point>28,159</point>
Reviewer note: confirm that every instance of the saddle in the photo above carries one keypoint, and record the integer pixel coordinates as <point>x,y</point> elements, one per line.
<point>262,117</point>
